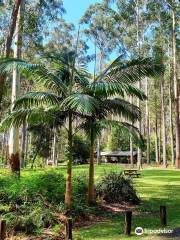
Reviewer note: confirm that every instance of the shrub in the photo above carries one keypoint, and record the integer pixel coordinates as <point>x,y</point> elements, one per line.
<point>115,188</point>
<point>28,204</point>
<point>80,188</point>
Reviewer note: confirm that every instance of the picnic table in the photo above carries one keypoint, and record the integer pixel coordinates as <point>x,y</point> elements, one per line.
<point>131,173</point>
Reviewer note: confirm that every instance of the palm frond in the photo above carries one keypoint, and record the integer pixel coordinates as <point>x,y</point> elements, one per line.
<point>38,72</point>
<point>125,128</point>
<point>50,116</point>
<point>33,99</point>
<point>131,71</point>
<point>105,89</point>
<point>50,80</point>
<point>81,103</point>
<point>82,77</point>
<point>7,65</point>
<point>122,108</point>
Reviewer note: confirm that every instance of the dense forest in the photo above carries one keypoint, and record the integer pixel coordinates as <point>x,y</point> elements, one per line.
<point>70,92</point>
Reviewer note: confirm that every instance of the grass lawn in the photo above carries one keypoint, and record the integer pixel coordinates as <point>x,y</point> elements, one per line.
<point>155,187</point>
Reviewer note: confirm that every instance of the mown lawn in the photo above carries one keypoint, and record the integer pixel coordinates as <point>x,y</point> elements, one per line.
<point>155,187</point>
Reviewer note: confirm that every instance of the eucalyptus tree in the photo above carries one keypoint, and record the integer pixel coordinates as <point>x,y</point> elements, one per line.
<point>14,159</point>
<point>37,17</point>
<point>64,38</point>
<point>8,39</point>
<point>174,6</point>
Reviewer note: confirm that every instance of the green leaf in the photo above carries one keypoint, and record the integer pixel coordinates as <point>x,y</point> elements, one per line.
<point>81,103</point>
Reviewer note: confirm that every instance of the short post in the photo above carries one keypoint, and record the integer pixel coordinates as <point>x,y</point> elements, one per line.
<point>68,229</point>
<point>2,229</point>
<point>128,220</point>
<point>163,215</point>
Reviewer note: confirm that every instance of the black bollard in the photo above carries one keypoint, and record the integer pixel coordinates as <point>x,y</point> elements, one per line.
<point>163,215</point>
<point>68,229</point>
<point>2,229</point>
<point>128,220</point>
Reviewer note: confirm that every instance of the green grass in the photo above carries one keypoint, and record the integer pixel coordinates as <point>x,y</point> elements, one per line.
<point>155,187</point>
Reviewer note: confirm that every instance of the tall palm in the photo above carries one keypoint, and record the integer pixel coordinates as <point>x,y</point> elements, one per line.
<point>109,89</point>
<point>71,92</point>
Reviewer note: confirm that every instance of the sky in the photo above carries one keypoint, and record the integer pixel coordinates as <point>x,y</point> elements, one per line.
<point>75,9</point>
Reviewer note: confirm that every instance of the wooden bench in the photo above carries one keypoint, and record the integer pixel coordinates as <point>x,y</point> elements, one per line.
<point>131,173</point>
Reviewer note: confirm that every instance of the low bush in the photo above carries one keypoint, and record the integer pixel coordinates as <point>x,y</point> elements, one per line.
<point>28,204</point>
<point>115,188</point>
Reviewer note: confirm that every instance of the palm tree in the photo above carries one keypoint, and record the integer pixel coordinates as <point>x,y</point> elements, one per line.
<point>117,79</point>
<point>71,92</point>
<point>64,84</point>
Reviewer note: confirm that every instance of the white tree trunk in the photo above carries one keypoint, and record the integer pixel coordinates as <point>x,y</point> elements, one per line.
<point>176,88</point>
<point>156,140</point>
<point>54,155</point>
<point>14,158</point>
<point>147,126</point>
<point>131,141</point>
<point>23,145</point>
<point>163,123</point>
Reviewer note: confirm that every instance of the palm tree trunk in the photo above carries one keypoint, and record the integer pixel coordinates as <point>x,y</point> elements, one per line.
<point>68,193</point>
<point>91,193</point>
<point>14,158</point>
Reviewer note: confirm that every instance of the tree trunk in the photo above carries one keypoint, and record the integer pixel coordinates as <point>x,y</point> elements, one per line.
<point>54,156</point>
<point>131,142</point>
<point>131,152</point>
<point>147,126</point>
<point>91,193</point>
<point>171,124</point>
<point>14,158</point>
<point>26,156</point>
<point>160,134</point>
<point>176,88</point>
<point>162,80</point>
<point>23,145</point>
<point>163,123</point>
<point>156,140</point>
<point>139,151</point>
<point>68,193</point>
<point>12,28</point>
<point>98,152</point>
